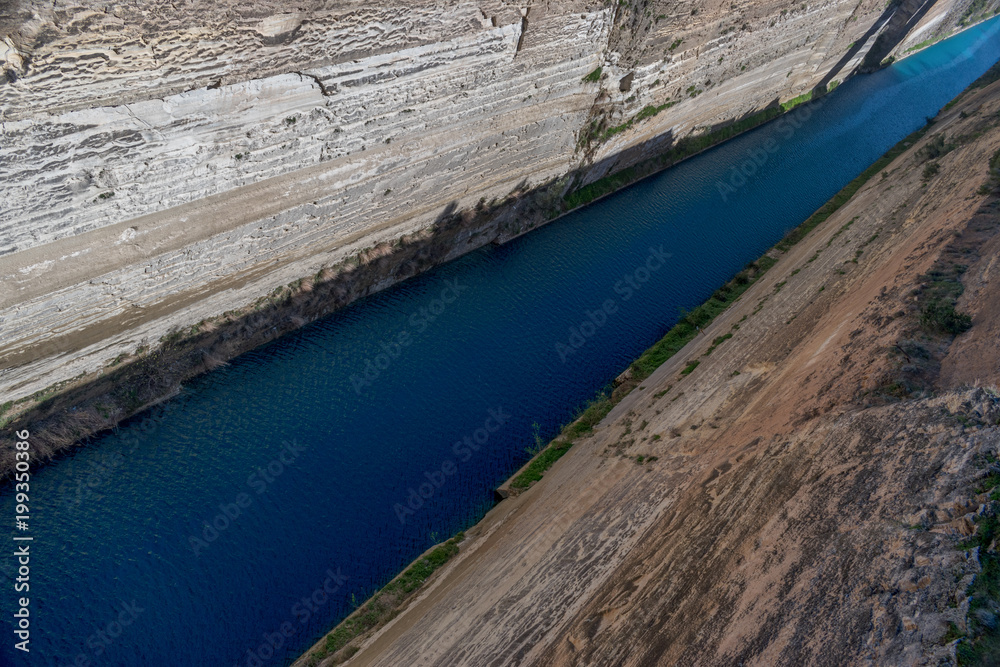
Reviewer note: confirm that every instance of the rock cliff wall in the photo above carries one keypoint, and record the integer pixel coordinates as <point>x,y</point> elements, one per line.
<point>164,164</point>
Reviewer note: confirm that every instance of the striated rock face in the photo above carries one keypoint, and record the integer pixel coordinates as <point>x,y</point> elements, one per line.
<point>163,164</point>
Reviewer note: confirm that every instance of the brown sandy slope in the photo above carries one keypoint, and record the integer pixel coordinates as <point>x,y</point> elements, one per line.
<point>798,511</point>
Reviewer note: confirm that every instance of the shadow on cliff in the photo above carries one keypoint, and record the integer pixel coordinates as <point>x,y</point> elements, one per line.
<point>905,16</point>
<point>61,417</point>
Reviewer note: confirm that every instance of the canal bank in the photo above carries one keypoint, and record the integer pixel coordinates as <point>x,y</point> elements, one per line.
<point>526,553</point>
<point>484,351</point>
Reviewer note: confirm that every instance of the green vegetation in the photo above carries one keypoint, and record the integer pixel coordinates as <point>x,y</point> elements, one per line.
<point>590,417</point>
<point>106,195</point>
<point>594,76</point>
<point>945,319</point>
<point>939,293</point>
<point>647,111</point>
<point>687,328</point>
<point>796,101</point>
<point>545,459</point>
<point>931,170</point>
<point>690,367</point>
<point>291,120</point>
<point>677,42</point>
<point>936,148</point>
<point>716,343</point>
<point>951,634</point>
<point>582,425</point>
<point>386,603</point>
<point>976,12</point>
<point>926,43</point>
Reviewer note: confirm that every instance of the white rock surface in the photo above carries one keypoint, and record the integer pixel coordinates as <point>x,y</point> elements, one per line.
<point>164,164</point>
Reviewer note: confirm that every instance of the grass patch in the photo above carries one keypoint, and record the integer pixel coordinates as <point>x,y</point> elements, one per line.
<point>923,44</point>
<point>590,417</point>
<point>796,101</point>
<point>594,76</point>
<point>545,459</point>
<point>951,634</point>
<point>687,328</point>
<point>716,343</point>
<point>690,367</point>
<point>385,603</point>
<point>582,424</point>
<point>647,111</point>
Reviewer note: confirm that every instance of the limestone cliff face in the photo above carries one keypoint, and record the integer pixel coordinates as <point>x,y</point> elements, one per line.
<point>163,164</point>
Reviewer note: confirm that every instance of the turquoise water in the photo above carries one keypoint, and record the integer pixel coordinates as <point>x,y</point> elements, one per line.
<point>237,523</point>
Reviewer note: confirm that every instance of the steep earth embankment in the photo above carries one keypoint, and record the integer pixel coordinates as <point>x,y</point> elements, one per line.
<point>164,165</point>
<point>800,496</point>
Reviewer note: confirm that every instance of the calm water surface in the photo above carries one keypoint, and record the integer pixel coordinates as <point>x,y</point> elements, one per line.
<point>310,465</point>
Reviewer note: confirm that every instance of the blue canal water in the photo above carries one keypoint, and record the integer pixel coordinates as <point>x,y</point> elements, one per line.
<point>310,465</point>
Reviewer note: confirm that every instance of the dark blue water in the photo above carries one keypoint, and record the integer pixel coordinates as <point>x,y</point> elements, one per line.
<point>115,577</point>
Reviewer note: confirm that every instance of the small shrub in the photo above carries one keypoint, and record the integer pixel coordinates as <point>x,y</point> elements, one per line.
<point>944,318</point>
<point>594,76</point>
<point>935,148</point>
<point>690,367</point>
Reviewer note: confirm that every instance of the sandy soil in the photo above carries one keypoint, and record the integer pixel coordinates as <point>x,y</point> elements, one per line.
<point>795,513</point>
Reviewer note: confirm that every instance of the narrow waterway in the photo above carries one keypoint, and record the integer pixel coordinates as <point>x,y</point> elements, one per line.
<point>207,525</point>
